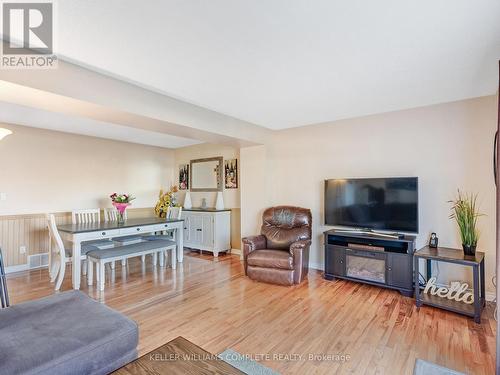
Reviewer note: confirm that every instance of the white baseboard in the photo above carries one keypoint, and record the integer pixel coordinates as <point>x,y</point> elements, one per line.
<point>490,296</point>
<point>17,268</point>
<point>34,260</point>
<point>236,251</point>
<point>317,266</point>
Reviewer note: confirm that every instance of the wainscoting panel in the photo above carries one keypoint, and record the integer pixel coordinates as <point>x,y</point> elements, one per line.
<point>31,231</point>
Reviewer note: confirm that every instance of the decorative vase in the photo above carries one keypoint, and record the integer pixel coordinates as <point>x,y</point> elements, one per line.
<point>120,211</point>
<point>187,201</point>
<point>469,249</point>
<point>219,202</point>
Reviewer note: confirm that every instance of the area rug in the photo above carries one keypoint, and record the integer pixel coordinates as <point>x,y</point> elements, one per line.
<point>244,364</point>
<point>427,368</point>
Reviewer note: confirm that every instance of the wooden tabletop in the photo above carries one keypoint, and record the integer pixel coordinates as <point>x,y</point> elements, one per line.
<point>108,225</point>
<point>447,254</point>
<point>178,356</point>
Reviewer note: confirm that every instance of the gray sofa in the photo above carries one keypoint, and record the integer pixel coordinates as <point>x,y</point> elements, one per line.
<point>67,333</point>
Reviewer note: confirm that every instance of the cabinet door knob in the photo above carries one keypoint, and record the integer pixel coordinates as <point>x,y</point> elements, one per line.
<point>389,269</point>
<point>341,261</point>
<point>199,230</point>
<point>103,233</point>
<point>138,229</point>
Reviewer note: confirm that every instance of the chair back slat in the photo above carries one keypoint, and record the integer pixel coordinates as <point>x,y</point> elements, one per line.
<point>54,235</point>
<point>88,216</point>
<point>4,294</point>
<point>110,214</point>
<point>174,213</point>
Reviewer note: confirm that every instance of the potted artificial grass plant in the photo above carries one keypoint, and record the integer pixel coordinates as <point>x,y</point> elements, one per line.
<point>464,211</point>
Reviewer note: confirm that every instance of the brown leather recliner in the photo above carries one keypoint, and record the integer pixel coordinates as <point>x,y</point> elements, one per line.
<point>280,255</point>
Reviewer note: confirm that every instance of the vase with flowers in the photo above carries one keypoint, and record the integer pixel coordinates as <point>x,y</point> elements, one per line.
<point>121,202</point>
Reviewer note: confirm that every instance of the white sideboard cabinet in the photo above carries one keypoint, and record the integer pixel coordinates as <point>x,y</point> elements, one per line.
<point>207,229</point>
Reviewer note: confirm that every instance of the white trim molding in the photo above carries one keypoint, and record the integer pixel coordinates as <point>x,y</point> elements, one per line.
<point>236,252</point>
<point>17,268</point>
<point>31,260</point>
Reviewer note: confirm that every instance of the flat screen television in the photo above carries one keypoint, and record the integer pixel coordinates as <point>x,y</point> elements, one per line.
<point>387,204</point>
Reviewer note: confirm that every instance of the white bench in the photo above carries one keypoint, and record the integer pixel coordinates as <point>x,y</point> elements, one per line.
<point>101,257</point>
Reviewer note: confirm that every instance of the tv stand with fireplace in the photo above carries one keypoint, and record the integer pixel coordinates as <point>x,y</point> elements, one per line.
<point>368,258</point>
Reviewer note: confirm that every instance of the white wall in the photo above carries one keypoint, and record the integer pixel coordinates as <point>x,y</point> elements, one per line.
<point>447,146</point>
<point>47,171</point>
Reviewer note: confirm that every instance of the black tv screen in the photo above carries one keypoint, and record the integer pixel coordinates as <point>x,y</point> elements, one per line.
<point>389,204</point>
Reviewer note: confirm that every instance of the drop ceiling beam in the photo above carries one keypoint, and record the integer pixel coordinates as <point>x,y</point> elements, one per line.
<point>74,90</point>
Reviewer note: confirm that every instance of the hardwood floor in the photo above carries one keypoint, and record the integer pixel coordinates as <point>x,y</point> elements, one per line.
<point>211,303</point>
<point>170,358</point>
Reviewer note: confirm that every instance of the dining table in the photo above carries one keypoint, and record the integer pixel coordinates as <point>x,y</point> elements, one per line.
<point>82,232</point>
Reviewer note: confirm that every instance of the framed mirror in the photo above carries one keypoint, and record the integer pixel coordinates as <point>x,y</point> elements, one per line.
<point>206,174</point>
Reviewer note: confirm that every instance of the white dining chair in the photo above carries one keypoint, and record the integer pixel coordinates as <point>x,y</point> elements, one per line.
<point>4,293</point>
<point>90,216</point>
<point>173,213</point>
<point>110,215</point>
<point>59,255</point>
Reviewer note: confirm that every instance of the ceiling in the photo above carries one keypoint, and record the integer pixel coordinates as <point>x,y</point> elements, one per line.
<point>38,118</point>
<point>286,63</point>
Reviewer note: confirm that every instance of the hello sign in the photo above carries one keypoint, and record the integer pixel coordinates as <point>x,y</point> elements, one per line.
<point>457,291</point>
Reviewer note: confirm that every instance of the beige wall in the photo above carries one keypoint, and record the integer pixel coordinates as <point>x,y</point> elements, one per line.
<point>447,146</point>
<point>231,196</point>
<point>255,188</point>
<point>43,170</point>
<point>46,171</point>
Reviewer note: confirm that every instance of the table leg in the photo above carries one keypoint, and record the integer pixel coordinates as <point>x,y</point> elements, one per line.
<point>483,286</point>
<point>49,254</point>
<point>90,272</point>
<point>76,264</point>
<point>161,254</point>
<point>53,264</point>
<point>180,242</point>
<point>173,255</point>
<point>417,285</point>
<point>477,299</point>
<point>102,275</point>
<point>429,269</point>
